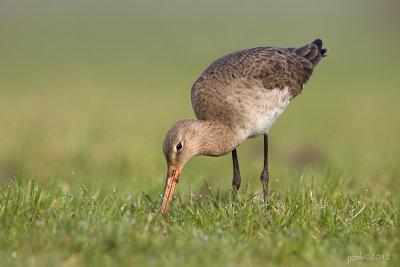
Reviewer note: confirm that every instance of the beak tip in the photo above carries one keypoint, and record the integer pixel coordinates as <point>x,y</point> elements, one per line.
<point>164,208</point>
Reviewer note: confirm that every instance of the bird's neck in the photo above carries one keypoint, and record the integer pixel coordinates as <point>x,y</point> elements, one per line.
<point>216,139</point>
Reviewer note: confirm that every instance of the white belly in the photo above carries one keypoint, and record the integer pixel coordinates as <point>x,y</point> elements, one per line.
<point>265,111</point>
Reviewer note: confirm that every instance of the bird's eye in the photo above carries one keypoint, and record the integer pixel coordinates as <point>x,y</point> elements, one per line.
<point>179,146</point>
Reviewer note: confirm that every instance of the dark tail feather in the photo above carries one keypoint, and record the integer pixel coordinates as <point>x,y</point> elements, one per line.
<point>323,51</point>
<point>313,52</point>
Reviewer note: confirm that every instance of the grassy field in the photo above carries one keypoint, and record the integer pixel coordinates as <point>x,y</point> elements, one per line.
<point>89,89</point>
<point>301,226</point>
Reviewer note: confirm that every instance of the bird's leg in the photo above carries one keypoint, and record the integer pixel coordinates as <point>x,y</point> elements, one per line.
<point>265,175</point>
<point>236,174</point>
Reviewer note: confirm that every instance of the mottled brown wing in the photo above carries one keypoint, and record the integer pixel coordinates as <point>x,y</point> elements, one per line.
<point>272,67</point>
<point>279,68</point>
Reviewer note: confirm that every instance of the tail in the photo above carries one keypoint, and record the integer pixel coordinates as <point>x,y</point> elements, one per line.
<point>313,52</point>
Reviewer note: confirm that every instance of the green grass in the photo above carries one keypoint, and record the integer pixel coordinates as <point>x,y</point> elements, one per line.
<point>308,226</point>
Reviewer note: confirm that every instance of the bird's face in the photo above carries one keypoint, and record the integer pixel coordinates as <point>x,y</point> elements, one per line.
<point>179,146</point>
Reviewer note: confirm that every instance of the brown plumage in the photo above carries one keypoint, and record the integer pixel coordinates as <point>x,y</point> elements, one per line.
<point>238,96</point>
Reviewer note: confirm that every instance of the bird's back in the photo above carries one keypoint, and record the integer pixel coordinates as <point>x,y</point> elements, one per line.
<point>241,84</point>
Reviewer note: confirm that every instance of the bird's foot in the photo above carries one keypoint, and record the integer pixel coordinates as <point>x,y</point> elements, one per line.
<point>235,185</point>
<point>264,180</point>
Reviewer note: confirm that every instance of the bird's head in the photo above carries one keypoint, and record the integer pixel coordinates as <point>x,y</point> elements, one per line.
<point>180,144</point>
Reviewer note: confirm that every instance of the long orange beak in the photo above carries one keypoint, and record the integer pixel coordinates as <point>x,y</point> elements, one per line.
<point>172,180</point>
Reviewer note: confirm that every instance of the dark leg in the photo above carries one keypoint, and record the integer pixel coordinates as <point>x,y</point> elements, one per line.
<point>265,175</point>
<point>236,174</point>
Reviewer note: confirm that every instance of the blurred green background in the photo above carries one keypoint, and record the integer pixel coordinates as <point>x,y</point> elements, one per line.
<point>88,90</point>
